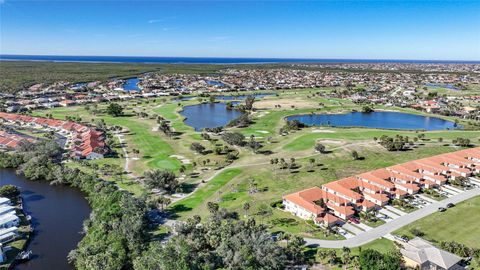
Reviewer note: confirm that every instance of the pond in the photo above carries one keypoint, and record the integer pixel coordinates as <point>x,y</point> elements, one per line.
<point>131,84</point>
<point>440,85</point>
<point>384,120</point>
<point>57,214</point>
<point>215,83</point>
<point>209,115</point>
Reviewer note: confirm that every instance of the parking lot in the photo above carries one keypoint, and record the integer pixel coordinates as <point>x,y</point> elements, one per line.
<point>389,213</point>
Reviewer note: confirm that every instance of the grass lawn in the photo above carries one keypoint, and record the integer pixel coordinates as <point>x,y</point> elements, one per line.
<point>271,184</point>
<point>373,223</point>
<point>381,245</point>
<point>460,223</point>
<point>307,139</point>
<point>280,221</point>
<point>204,194</point>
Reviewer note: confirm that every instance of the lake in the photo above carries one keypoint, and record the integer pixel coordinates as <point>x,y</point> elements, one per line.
<point>439,85</point>
<point>57,214</point>
<point>384,120</point>
<point>209,115</point>
<point>131,84</point>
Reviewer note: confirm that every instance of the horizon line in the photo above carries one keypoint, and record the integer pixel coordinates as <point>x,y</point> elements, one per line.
<point>232,57</point>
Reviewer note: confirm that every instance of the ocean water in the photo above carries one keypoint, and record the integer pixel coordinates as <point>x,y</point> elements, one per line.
<point>202,60</point>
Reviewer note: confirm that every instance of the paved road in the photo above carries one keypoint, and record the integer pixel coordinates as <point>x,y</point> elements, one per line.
<point>124,149</point>
<point>393,225</point>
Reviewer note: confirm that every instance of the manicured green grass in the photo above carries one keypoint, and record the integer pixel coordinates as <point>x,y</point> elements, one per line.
<point>154,150</point>
<point>460,223</point>
<point>307,140</point>
<point>205,193</point>
<point>272,183</point>
<point>381,245</point>
<point>281,221</point>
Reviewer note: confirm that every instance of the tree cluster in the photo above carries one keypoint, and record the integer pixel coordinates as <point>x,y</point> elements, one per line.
<point>397,143</point>
<point>234,138</point>
<point>221,242</point>
<point>460,249</point>
<point>464,142</point>
<point>114,109</point>
<point>9,191</point>
<point>292,125</point>
<point>163,180</point>
<point>373,260</point>
<point>242,121</point>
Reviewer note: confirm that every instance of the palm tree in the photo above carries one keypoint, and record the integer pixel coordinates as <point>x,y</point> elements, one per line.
<point>355,155</point>
<point>332,256</point>
<point>312,161</point>
<point>246,207</point>
<point>346,256</point>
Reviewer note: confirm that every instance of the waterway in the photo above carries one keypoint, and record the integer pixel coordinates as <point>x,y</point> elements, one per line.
<point>439,85</point>
<point>57,214</point>
<point>208,115</point>
<point>131,84</point>
<point>384,120</point>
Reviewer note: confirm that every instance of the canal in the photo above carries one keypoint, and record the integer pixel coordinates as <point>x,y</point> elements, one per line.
<point>57,214</point>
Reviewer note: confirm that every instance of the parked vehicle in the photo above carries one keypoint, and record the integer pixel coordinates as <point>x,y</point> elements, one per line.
<point>442,209</point>
<point>354,220</point>
<point>450,205</point>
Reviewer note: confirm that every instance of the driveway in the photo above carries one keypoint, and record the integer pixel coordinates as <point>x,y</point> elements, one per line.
<point>449,191</point>
<point>453,188</point>
<point>393,225</point>
<point>395,210</point>
<point>388,213</point>
<point>351,228</point>
<point>363,226</point>
<point>426,198</point>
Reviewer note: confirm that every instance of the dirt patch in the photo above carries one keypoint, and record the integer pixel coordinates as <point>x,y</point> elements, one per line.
<point>284,104</point>
<point>331,141</point>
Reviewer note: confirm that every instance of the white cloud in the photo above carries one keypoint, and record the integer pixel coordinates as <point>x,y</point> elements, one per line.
<point>158,20</point>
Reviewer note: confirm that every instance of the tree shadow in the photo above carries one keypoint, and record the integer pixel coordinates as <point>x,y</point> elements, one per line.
<point>33,198</point>
<point>188,188</point>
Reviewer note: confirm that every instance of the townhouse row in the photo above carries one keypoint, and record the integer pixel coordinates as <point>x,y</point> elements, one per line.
<point>82,141</point>
<point>333,202</point>
<point>11,141</point>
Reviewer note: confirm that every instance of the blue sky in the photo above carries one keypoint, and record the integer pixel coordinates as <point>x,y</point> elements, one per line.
<point>435,30</point>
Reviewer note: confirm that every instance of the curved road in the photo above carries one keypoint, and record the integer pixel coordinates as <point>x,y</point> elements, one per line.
<point>393,225</point>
